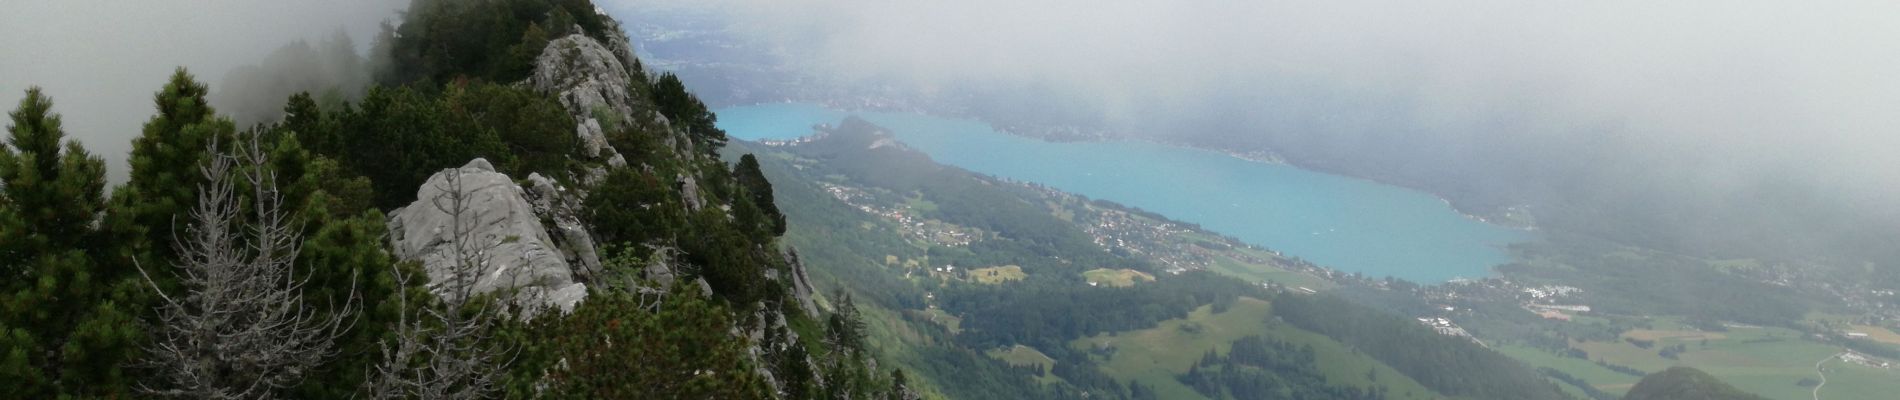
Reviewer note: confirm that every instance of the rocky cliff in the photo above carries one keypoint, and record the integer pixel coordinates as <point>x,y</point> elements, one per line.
<point>531,235</point>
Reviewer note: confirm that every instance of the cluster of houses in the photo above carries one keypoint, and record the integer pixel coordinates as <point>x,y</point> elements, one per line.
<point>822,130</point>
<point>1550,291</point>
<point>1543,299</point>
<point>910,226</point>
<point>1858,358</point>
<point>1115,229</point>
<point>1444,326</point>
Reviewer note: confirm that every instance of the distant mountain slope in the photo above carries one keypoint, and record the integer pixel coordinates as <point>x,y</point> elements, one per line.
<point>1684,383</point>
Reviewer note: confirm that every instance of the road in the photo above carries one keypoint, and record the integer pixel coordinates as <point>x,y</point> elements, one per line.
<point>1817,370</point>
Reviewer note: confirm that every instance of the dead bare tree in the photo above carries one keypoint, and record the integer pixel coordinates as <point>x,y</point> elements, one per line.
<point>241,329</point>
<point>444,351</point>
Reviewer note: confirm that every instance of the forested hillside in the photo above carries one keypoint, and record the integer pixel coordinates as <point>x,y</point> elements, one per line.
<point>515,208</point>
<point>1684,383</point>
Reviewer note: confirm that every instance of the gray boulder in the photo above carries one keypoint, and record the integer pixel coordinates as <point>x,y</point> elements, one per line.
<point>503,243</point>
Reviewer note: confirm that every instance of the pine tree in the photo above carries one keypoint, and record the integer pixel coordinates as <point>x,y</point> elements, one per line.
<point>165,161</point>
<point>533,41</point>
<point>687,113</point>
<point>67,321</point>
<point>900,387</point>
<point>342,253</point>
<point>750,177</point>
<point>239,327</point>
<point>845,329</point>
<point>307,122</point>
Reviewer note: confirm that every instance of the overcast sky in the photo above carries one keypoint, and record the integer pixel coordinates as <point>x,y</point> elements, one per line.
<point>102,61</point>
<point>1741,86</point>
<point>1813,85</point>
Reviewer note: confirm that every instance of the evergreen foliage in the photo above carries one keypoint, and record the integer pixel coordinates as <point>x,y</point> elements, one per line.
<point>399,137</point>
<point>165,160</point>
<point>634,207</point>
<point>68,312</point>
<point>441,41</point>
<point>1046,313</point>
<point>616,346</point>
<point>687,113</point>
<point>759,191</point>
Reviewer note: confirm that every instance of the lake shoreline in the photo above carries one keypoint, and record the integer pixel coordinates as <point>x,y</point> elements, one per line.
<point>1348,223</point>
<point>1267,157</point>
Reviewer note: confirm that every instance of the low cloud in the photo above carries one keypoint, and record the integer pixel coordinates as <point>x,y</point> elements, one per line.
<point>101,61</point>
<point>1747,84</point>
<point>1714,102</point>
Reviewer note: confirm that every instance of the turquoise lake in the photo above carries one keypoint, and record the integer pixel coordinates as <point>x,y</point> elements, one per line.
<point>1345,223</point>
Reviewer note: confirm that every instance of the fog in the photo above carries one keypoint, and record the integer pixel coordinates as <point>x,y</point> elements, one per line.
<point>102,61</point>
<point>1711,100</point>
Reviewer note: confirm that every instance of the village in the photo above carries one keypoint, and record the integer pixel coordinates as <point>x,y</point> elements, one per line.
<point>910,224</point>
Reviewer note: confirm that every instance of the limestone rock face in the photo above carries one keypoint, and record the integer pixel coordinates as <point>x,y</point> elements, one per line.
<point>500,236</point>
<point>584,74</point>
<point>801,284</point>
<point>689,191</point>
<point>586,77</point>
<point>593,138</point>
<point>555,203</point>
<point>617,43</point>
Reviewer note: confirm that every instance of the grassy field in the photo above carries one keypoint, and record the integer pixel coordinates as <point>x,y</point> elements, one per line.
<point>995,275</point>
<point>1020,355</point>
<point>1262,273</point>
<point>1154,356</point>
<point>1763,360</point>
<point>918,203</point>
<point>950,322</point>
<point>1878,334</point>
<point>1117,277</point>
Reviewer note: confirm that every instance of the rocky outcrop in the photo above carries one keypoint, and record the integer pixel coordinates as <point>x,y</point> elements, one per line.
<point>560,209</point>
<point>618,43</point>
<point>476,223</point>
<point>584,75</point>
<point>593,138</point>
<point>588,79</point>
<point>689,191</point>
<point>801,283</point>
<point>593,82</point>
